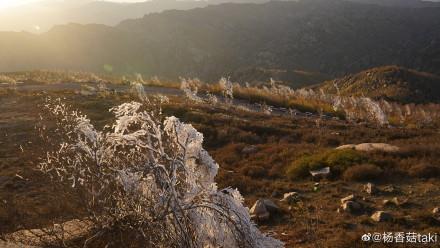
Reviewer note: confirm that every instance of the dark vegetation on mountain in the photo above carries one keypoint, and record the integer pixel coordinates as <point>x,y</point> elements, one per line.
<point>389,82</point>
<point>293,78</point>
<point>401,3</point>
<point>329,37</point>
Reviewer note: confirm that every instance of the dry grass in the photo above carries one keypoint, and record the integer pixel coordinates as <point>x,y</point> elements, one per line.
<point>280,142</point>
<point>363,172</point>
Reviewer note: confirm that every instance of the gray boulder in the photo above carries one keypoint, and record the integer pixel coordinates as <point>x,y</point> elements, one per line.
<point>321,173</point>
<point>381,216</point>
<point>290,197</point>
<point>351,207</point>
<point>249,149</point>
<point>348,198</point>
<point>369,147</point>
<point>262,209</point>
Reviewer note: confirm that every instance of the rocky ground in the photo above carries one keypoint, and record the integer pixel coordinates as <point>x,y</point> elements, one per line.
<point>255,151</point>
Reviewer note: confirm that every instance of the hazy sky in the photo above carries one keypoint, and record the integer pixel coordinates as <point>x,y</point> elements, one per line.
<point>12,3</point>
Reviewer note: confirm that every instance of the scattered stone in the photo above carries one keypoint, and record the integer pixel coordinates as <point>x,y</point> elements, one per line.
<point>262,209</point>
<point>274,194</point>
<point>351,207</point>
<point>393,201</point>
<point>371,189</point>
<point>250,149</point>
<point>259,211</point>
<point>390,189</point>
<point>271,206</point>
<point>316,187</point>
<point>380,216</point>
<point>349,146</point>
<point>348,198</point>
<point>290,197</point>
<point>369,147</point>
<point>321,173</point>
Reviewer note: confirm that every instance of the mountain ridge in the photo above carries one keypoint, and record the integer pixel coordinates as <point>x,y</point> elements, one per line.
<point>391,83</point>
<point>328,37</point>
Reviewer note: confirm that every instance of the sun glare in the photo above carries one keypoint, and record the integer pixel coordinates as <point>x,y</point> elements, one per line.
<point>4,4</point>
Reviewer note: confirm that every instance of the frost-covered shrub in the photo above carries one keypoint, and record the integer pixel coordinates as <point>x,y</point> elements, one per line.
<point>191,87</point>
<point>227,89</point>
<point>148,176</point>
<point>138,89</point>
<point>266,109</point>
<point>12,83</point>
<point>211,99</point>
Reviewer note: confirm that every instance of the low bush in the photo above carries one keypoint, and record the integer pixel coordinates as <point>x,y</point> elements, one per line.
<point>337,160</point>
<point>363,172</point>
<point>254,171</point>
<point>424,171</point>
<point>340,160</point>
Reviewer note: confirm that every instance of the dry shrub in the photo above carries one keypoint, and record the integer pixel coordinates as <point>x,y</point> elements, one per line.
<point>254,171</point>
<point>424,171</point>
<point>363,172</point>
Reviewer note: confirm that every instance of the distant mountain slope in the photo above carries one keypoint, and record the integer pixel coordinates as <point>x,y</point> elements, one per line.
<point>401,3</point>
<point>293,78</point>
<point>40,16</point>
<point>326,36</point>
<point>391,83</point>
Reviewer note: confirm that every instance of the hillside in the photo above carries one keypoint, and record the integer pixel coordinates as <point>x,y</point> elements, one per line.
<point>328,37</point>
<point>40,16</point>
<point>401,3</point>
<point>292,78</point>
<point>391,83</point>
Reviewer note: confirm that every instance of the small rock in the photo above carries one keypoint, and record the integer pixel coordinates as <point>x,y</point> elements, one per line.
<point>349,146</point>
<point>390,189</point>
<point>249,149</point>
<point>380,216</point>
<point>370,189</point>
<point>290,197</point>
<point>275,194</point>
<point>368,147</point>
<point>348,198</point>
<point>316,187</point>
<point>259,211</point>
<point>393,201</point>
<point>351,207</point>
<point>321,173</point>
<point>271,206</point>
